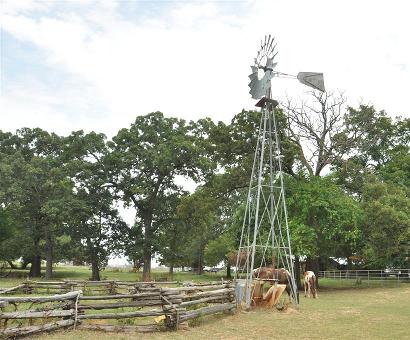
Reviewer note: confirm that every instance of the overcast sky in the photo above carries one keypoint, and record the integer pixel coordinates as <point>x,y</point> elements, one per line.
<point>70,65</point>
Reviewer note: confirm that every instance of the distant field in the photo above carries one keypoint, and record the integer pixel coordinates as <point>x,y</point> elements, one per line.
<point>122,274</point>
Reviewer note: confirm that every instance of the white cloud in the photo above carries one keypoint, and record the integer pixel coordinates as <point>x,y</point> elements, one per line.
<point>193,60</point>
<point>21,6</point>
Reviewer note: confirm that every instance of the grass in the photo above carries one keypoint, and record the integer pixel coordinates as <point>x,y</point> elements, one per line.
<point>366,313</point>
<point>344,310</point>
<point>121,274</point>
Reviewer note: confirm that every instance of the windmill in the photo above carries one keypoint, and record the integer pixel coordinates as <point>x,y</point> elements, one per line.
<point>265,238</point>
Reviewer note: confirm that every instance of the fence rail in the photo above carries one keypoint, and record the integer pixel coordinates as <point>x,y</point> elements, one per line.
<point>393,275</point>
<point>159,308</point>
<point>88,287</point>
<point>56,311</point>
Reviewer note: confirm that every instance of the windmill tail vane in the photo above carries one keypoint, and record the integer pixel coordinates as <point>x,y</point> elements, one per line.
<point>261,83</point>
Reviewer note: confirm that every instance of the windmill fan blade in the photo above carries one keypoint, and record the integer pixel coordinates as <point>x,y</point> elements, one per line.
<point>271,47</point>
<point>253,77</point>
<point>263,65</point>
<point>259,87</point>
<point>254,72</point>
<point>312,79</point>
<point>253,83</point>
<point>267,44</point>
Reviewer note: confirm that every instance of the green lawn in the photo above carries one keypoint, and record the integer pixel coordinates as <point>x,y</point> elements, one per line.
<point>343,310</point>
<point>121,274</point>
<point>368,313</point>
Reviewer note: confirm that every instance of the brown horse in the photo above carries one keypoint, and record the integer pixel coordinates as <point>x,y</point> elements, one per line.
<point>280,274</point>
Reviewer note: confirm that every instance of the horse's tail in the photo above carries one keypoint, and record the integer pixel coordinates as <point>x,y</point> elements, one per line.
<point>289,282</point>
<point>313,285</point>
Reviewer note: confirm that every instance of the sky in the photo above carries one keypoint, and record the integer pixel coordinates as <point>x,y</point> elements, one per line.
<point>96,65</point>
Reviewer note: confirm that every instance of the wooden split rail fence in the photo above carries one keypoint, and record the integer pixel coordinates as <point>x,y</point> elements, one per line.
<point>62,309</point>
<point>88,287</point>
<point>145,308</point>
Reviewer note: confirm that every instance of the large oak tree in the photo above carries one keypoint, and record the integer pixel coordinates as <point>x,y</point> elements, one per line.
<point>144,164</point>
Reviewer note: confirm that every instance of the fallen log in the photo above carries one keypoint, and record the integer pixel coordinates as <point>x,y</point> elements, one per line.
<point>206,311</point>
<point>22,331</point>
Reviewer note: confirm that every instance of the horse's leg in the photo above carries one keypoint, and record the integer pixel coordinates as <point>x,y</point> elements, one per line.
<point>304,286</point>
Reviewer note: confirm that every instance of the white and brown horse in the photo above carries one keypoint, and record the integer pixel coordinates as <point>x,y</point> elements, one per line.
<point>309,280</point>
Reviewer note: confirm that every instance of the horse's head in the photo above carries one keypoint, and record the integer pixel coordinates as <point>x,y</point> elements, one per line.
<point>262,273</point>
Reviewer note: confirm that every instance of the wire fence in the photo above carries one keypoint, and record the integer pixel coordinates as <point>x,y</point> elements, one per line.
<point>374,275</point>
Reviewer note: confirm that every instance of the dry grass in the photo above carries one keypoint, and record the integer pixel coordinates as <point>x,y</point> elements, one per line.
<point>367,313</point>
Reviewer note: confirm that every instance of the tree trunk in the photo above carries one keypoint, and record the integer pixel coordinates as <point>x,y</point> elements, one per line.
<point>146,273</point>
<point>297,272</point>
<point>200,261</point>
<point>136,264</point>
<point>95,266</point>
<point>171,269</point>
<point>228,271</point>
<point>49,255</point>
<point>349,262</point>
<point>35,269</point>
<point>95,270</point>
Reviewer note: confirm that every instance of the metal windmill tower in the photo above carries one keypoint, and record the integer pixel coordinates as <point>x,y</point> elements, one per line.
<point>265,238</point>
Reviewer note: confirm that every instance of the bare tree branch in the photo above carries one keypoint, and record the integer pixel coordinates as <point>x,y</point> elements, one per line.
<point>313,125</point>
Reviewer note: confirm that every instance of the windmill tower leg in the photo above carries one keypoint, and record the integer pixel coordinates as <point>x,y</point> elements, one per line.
<point>265,229</point>
<point>262,136</point>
